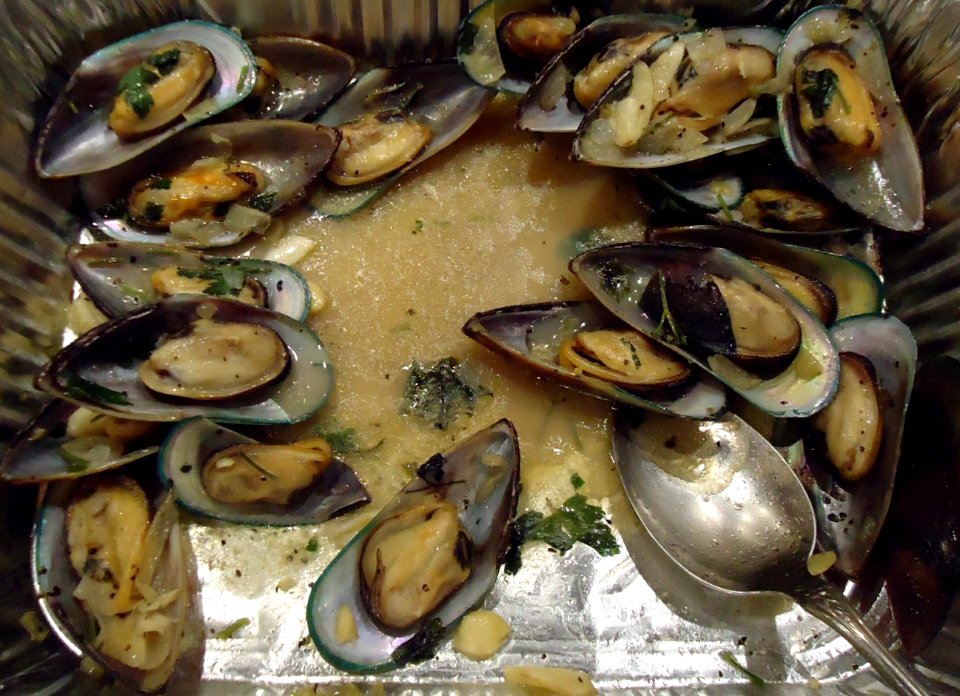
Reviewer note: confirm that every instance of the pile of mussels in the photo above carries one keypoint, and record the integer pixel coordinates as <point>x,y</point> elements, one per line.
<point>197,342</point>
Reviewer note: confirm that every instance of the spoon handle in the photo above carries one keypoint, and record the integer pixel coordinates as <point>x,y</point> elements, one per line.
<point>828,604</point>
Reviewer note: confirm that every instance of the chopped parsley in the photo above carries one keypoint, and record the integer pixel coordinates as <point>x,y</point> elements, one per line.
<point>85,390</point>
<point>421,646</point>
<point>165,62</point>
<point>728,657</point>
<point>313,545</point>
<point>263,201</point>
<point>667,329</point>
<point>161,184</point>
<point>820,87</point>
<point>153,211</point>
<point>227,276</point>
<point>633,353</point>
<point>577,482</point>
<point>231,630</point>
<point>440,391</point>
<point>342,440</point>
<point>417,226</point>
<point>615,280</point>
<point>134,86</point>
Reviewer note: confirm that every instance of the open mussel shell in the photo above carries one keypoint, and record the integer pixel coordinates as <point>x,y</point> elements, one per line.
<point>440,98</point>
<point>887,185</point>
<point>618,276</point>
<point>36,453</point>
<point>76,138</point>
<point>533,334</point>
<point>289,154</point>
<point>100,369</point>
<point>549,105</point>
<point>850,514</point>
<point>759,189</point>
<point>165,561</point>
<point>191,443</point>
<point>117,276</point>
<point>855,287</point>
<point>596,140</point>
<point>480,477</point>
<point>308,74</point>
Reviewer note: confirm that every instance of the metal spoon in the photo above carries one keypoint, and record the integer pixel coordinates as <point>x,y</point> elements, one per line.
<point>723,503</point>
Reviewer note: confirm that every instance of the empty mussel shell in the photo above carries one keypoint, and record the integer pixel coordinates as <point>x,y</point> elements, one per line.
<point>464,498</point>
<point>417,109</point>
<point>148,636</point>
<point>50,447</point>
<point>797,382</point>
<point>534,335</point>
<point>101,369</point>
<point>121,277</point>
<point>572,80</point>
<point>210,186</point>
<point>851,507</point>
<point>686,98</point>
<point>76,136</point>
<point>296,78</point>
<point>330,487</point>
<point>848,285</point>
<point>841,121</point>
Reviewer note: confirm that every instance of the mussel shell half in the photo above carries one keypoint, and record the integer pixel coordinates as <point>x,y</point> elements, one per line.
<point>548,106</point>
<point>447,103</point>
<point>857,288</point>
<point>76,138</point>
<point>886,187</point>
<point>617,275</point>
<point>35,455</point>
<point>54,580</point>
<point>597,148</point>
<point>99,369</point>
<point>191,443</point>
<point>290,155</point>
<point>850,514</point>
<point>717,186</point>
<point>508,331</point>
<point>117,276</point>
<point>309,74</point>
<point>480,475</point>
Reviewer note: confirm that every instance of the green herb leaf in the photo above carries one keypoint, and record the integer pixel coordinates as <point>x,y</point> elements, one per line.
<point>165,62</point>
<point>75,464</point>
<point>153,211</point>
<point>244,71</point>
<point>227,276</point>
<point>139,99</point>
<point>820,87</point>
<point>131,291</point>
<point>313,545</point>
<point>441,391</point>
<point>342,440</point>
<point>263,201</point>
<point>728,657</point>
<point>232,629</point>
<point>667,329</point>
<point>575,520</point>
<point>160,184</point>
<point>417,226</point>
<point>421,646</point>
<point>85,390</point>
<point>577,482</point>
<point>724,207</point>
<point>137,77</point>
<point>263,472</point>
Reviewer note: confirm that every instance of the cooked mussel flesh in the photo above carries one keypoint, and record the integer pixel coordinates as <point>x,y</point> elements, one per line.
<point>776,208</point>
<point>625,357</point>
<point>400,587</point>
<point>812,293</point>
<point>375,145</point>
<point>174,280</point>
<point>159,89</point>
<point>534,37</point>
<point>837,111</point>
<point>852,424</point>
<point>590,82</point>
<point>215,360</point>
<point>255,473</point>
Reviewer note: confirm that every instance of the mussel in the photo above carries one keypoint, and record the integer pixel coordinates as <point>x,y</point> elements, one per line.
<point>123,276</point>
<point>105,557</point>
<point>724,314</point>
<point>210,186</point>
<point>841,121</point>
<point>386,599</point>
<point>581,345</point>
<point>220,473</point>
<point>688,97</point>
<point>195,356</point>
<point>128,97</point>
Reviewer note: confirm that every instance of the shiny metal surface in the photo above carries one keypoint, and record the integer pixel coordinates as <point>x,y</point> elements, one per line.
<point>636,621</point>
<point>723,503</point>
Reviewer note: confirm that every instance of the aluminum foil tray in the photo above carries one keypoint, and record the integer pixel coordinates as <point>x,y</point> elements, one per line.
<point>635,621</point>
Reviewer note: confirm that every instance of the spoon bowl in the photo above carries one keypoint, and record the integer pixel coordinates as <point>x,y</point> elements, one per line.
<point>721,501</point>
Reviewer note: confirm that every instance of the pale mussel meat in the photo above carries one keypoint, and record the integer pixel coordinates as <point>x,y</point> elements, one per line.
<point>581,345</point>
<point>380,603</point>
<point>120,277</point>
<point>194,355</point>
<point>210,186</point>
<point>841,120</point>
<point>722,313</point>
<point>218,472</point>
<point>129,96</point>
